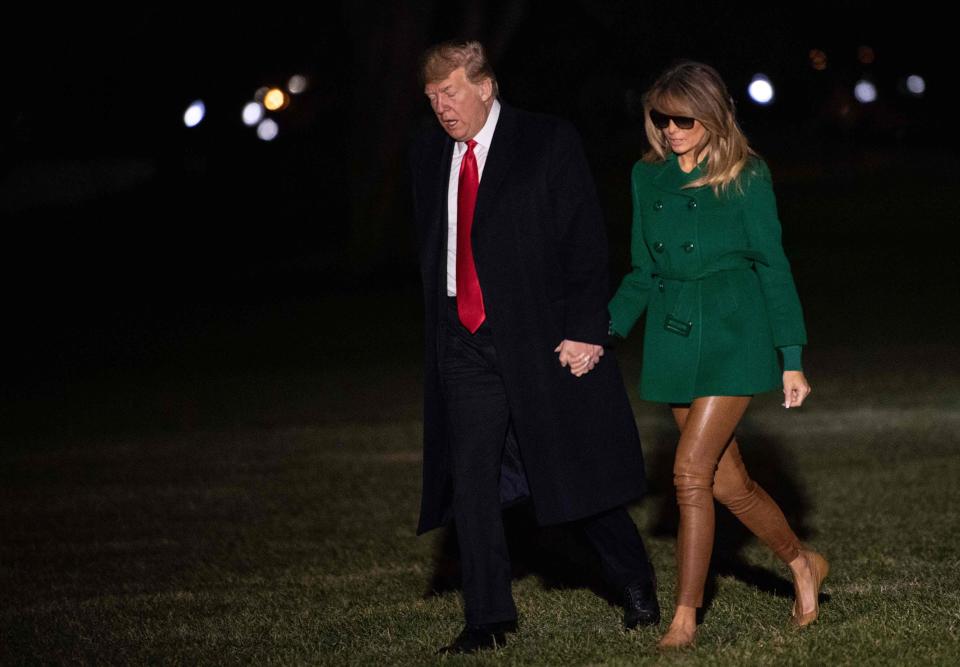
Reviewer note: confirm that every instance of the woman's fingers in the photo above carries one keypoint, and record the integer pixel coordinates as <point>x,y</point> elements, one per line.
<point>581,363</point>
<point>584,364</point>
<point>795,394</point>
<point>795,389</point>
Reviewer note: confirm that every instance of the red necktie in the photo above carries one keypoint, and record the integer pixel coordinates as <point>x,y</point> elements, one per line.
<point>469,297</point>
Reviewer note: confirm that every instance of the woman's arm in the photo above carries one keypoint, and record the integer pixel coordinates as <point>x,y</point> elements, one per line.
<point>776,280</point>
<point>630,299</point>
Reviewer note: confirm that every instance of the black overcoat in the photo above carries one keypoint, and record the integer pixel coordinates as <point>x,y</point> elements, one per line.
<point>541,256</point>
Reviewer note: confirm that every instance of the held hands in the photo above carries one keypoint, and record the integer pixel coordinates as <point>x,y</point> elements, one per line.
<point>580,357</point>
<point>795,389</point>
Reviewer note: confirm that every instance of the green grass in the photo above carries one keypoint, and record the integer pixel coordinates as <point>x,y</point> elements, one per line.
<point>295,545</point>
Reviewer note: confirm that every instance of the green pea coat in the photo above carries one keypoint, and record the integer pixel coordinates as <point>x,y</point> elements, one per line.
<point>712,276</point>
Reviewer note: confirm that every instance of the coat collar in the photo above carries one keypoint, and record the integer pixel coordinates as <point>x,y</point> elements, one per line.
<point>442,180</point>
<point>672,178</point>
<point>484,137</point>
<point>503,149</point>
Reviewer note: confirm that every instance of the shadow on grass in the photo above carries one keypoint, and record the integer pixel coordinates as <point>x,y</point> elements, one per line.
<point>561,557</point>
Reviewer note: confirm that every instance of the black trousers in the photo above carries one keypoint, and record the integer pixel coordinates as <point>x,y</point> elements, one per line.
<point>478,417</point>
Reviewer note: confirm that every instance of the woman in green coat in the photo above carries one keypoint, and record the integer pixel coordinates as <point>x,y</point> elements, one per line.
<point>723,321</point>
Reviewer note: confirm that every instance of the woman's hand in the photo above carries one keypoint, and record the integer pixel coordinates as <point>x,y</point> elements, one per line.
<point>795,389</point>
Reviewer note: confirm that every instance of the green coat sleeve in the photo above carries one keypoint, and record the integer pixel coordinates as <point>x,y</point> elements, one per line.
<point>762,226</point>
<point>630,299</point>
<point>791,357</point>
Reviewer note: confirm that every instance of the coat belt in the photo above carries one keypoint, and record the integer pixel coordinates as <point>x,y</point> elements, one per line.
<point>679,318</point>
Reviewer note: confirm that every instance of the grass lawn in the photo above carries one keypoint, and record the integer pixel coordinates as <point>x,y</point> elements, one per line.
<point>293,543</point>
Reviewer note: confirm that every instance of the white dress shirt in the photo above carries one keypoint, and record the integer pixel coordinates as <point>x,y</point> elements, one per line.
<point>484,138</point>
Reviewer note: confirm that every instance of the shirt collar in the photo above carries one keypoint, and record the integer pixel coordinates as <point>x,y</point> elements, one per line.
<point>485,135</point>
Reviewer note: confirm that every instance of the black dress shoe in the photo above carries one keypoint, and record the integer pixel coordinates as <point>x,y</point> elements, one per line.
<point>640,605</point>
<point>475,638</point>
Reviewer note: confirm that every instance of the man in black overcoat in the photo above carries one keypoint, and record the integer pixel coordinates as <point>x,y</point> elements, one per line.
<point>514,261</point>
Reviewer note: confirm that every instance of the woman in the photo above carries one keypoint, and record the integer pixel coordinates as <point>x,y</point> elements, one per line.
<point>721,304</point>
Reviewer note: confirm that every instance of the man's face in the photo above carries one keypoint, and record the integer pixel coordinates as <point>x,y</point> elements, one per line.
<point>461,106</point>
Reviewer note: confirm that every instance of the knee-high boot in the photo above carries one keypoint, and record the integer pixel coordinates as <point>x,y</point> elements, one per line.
<point>747,500</point>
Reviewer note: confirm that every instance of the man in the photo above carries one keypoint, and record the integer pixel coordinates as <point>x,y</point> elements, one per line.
<point>514,263</point>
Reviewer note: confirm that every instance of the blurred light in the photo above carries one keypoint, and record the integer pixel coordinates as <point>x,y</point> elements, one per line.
<point>194,113</point>
<point>916,84</point>
<point>267,129</point>
<point>865,55</point>
<point>865,91</point>
<point>297,84</point>
<point>252,113</point>
<point>275,99</point>
<point>261,93</point>
<point>818,59</point>
<point>760,89</point>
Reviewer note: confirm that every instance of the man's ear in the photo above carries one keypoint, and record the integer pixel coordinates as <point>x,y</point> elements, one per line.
<point>486,89</point>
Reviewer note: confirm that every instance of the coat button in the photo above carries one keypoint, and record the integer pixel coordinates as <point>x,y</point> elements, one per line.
<point>657,205</point>
<point>688,246</point>
<point>658,246</point>
<point>692,204</point>
<point>660,285</point>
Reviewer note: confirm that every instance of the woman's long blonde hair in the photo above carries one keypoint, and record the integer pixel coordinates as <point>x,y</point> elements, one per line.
<point>694,89</point>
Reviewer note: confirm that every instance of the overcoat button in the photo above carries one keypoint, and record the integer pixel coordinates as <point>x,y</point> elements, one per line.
<point>688,246</point>
<point>692,203</point>
<point>658,205</point>
<point>660,285</point>
<point>658,246</point>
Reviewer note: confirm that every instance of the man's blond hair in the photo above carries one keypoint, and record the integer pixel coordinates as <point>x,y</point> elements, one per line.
<point>441,59</point>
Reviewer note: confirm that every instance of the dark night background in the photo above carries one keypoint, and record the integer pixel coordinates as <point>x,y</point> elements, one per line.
<point>157,276</point>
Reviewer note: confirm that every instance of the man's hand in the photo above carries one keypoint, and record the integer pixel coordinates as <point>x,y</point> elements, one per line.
<point>580,357</point>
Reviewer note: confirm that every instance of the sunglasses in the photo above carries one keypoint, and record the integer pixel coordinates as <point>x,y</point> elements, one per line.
<point>662,120</point>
